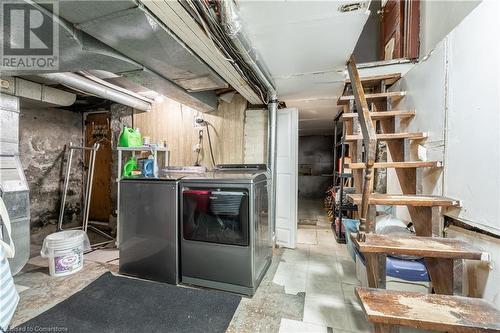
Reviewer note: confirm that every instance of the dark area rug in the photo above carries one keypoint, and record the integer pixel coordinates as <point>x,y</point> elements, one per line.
<point>119,304</point>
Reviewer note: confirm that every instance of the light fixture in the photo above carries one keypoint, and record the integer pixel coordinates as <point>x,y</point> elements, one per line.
<point>350,7</point>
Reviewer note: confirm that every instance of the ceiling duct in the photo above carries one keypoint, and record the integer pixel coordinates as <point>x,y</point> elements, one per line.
<point>82,52</point>
<point>80,83</point>
<point>149,43</point>
<point>33,92</point>
<point>351,7</point>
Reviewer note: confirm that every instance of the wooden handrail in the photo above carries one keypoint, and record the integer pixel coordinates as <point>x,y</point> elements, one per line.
<point>369,139</point>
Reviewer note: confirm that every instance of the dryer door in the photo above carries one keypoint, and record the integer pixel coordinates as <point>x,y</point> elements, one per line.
<point>216,216</point>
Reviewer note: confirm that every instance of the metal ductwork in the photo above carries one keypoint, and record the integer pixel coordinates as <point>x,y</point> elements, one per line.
<point>86,85</point>
<point>183,81</point>
<point>36,92</point>
<point>14,189</point>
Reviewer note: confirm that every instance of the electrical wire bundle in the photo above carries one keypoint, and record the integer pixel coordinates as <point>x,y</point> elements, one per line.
<point>208,16</point>
<point>200,141</point>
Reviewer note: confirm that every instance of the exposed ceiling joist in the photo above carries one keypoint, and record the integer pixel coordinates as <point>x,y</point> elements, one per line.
<point>176,18</point>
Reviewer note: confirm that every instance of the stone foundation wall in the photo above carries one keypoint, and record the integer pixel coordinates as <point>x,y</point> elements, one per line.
<point>44,134</point>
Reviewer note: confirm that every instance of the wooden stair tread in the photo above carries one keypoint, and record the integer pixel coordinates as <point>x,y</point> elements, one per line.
<point>431,247</point>
<point>398,165</point>
<point>390,136</point>
<point>406,200</point>
<point>370,81</point>
<point>429,311</point>
<point>382,114</point>
<point>344,100</point>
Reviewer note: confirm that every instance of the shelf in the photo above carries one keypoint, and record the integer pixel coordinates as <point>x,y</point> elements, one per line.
<point>142,148</point>
<point>349,208</point>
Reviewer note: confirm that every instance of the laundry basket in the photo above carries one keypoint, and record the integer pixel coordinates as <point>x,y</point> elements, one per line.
<point>226,203</point>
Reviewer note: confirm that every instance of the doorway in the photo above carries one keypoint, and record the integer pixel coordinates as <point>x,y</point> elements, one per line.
<point>315,178</point>
<point>98,130</point>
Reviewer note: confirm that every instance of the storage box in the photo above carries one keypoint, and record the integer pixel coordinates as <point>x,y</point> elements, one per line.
<point>402,275</point>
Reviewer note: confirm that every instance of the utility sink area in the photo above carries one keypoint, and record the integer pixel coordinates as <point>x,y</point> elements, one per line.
<point>249,166</point>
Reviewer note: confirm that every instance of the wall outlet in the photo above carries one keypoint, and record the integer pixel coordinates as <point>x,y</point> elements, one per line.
<point>199,121</point>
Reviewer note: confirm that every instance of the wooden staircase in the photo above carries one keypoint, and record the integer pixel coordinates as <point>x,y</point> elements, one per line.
<point>389,309</point>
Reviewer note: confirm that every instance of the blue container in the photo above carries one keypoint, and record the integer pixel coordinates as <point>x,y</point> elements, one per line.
<point>408,270</point>
<point>404,269</point>
<point>147,168</point>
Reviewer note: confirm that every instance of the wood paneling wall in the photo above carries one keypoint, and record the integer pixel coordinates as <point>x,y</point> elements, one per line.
<point>174,123</point>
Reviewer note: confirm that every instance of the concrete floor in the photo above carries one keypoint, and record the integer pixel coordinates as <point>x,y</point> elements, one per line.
<point>309,289</point>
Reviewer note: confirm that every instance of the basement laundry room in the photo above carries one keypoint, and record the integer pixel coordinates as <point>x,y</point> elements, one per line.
<point>249,166</point>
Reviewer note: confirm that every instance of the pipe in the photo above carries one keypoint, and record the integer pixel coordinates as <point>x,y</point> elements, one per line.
<point>272,108</point>
<point>75,81</point>
<point>234,30</point>
<point>105,83</point>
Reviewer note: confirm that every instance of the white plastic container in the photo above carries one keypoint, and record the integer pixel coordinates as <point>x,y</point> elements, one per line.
<point>65,250</point>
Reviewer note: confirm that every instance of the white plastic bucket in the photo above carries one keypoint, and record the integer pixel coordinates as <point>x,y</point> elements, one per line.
<point>64,250</point>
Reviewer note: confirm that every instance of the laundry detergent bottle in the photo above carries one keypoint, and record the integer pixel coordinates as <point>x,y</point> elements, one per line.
<point>130,166</point>
<point>130,137</point>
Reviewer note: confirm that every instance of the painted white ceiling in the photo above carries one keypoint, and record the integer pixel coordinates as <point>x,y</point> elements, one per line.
<point>305,45</point>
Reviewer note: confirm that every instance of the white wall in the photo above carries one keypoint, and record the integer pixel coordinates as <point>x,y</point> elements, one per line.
<point>480,278</point>
<point>425,86</point>
<point>455,93</point>
<point>472,171</point>
<point>438,18</point>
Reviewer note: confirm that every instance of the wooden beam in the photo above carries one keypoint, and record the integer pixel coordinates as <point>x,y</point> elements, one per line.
<point>441,274</point>
<point>432,247</point>
<point>406,200</point>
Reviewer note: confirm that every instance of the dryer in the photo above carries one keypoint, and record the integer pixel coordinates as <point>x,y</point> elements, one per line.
<point>225,230</point>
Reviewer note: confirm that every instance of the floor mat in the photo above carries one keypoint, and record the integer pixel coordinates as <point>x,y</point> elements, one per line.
<point>119,304</point>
